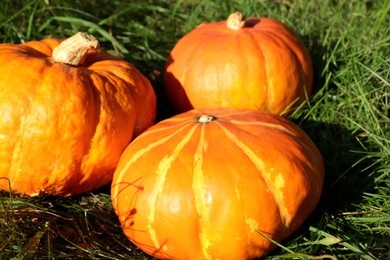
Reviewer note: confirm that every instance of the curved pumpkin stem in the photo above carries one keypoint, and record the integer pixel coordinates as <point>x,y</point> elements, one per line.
<point>72,50</point>
<point>236,21</point>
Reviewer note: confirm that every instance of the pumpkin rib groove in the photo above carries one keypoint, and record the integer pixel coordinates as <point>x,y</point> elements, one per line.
<point>304,63</point>
<point>298,65</point>
<point>16,158</point>
<point>198,187</point>
<point>153,130</point>
<point>246,80</point>
<point>64,116</point>
<point>192,63</point>
<point>285,131</point>
<point>303,143</point>
<point>302,140</point>
<point>269,89</point>
<point>297,46</point>
<point>277,194</point>
<point>221,78</point>
<point>272,40</point>
<point>301,93</point>
<point>279,127</point>
<point>145,150</point>
<point>267,125</point>
<point>97,110</point>
<point>161,172</point>
<point>204,46</point>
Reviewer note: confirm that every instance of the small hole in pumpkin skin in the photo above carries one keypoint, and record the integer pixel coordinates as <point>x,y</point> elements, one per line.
<point>133,211</point>
<point>251,22</point>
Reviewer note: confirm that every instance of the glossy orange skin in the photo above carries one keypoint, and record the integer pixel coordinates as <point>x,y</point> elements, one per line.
<point>262,66</point>
<point>190,190</point>
<point>63,128</point>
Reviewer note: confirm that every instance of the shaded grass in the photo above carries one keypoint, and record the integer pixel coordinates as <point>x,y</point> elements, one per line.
<point>347,117</point>
<point>81,227</point>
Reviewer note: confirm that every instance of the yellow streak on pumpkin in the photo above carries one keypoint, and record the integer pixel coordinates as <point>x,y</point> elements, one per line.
<point>198,187</point>
<point>161,172</point>
<point>237,193</point>
<point>274,186</point>
<point>136,156</point>
<point>268,125</point>
<point>253,224</point>
<point>281,129</point>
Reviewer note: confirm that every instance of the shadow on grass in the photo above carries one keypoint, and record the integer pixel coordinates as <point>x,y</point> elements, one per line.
<point>347,173</point>
<point>346,181</point>
<point>345,163</point>
<point>79,227</point>
<point>345,177</point>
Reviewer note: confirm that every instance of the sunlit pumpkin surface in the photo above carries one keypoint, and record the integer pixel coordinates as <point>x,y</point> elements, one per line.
<point>205,183</point>
<point>63,127</point>
<point>261,66</point>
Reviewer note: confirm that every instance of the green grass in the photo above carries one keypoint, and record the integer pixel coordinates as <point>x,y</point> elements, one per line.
<point>347,117</point>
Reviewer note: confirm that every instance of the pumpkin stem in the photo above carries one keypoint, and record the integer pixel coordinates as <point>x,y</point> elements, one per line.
<point>72,50</point>
<point>236,21</point>
<point>204,119</point>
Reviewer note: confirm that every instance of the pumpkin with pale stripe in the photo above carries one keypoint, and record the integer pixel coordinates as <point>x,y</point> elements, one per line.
<point>253,63</point>
<point>212,183</point>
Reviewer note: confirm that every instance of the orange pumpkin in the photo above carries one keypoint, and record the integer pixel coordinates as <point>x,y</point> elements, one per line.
<point>67,113</point>
<point>254,63</point>
<point>203,184</point>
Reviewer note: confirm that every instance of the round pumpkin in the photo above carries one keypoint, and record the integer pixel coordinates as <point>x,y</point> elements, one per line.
<point>213,183</point>
<point>253,63</point>
<point>68,110</point>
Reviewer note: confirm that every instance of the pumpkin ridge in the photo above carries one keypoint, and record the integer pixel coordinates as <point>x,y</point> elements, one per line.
<point>78,158</point>
<point>314,159</point>
<point>243,82</point>
<point>298,139</point>
<point>153,130</point>
<point>275,126</point>
<point>269,89</point>
<point>96,97</point>
<point>302,55</point>
<point>25,51</point>
<point>192,61</point>
<point>161,172</point>
<point>198,187</point>
<point>284,130</point>
<point>202,45</point>
<point>20,141</point>
<point>144,151</point>
<point>277,193</point>
<point>304,92</point>
<point>119,74</point>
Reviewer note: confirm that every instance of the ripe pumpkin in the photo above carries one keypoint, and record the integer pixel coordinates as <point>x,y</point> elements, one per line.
<point>68,110</point>
<point>203,184</point>
<point>253,63</point>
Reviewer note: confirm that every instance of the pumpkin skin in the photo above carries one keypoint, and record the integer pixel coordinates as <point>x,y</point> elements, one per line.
<point>261,66</point>
<point>64,127</point>
<point>187,189</point>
